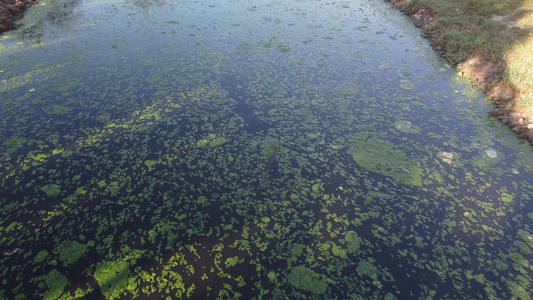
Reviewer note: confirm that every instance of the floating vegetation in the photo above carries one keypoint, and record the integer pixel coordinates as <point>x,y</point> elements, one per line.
<point>40,257</point>
<point>62,86</point>
<point>487,158</point>
<point>347,89</point>
<point>70,252</point>
<point>51,190</point>
<point>447,157</point>
<point>518,291</point>
<point>406,127</point>
<point>353,242</point>
<point>217,142</point>
<point>375,155</point>
<point>61,110</point>
<point>112,276</point>
<point>47,10</point>
<point>365,268</point>
<point>306,279</point>
<point>406,84</point>
<point>55,284</point>
<point>256,151</point>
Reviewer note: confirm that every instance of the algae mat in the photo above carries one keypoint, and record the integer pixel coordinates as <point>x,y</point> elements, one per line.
<point>252,150</point>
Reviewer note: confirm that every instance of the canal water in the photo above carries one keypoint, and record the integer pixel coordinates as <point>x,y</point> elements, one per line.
<point>251,149</point>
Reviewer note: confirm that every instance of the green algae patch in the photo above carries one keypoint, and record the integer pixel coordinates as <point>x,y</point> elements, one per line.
<point>217,142</point>
<point>150,163</point>
<point>487,158</point>
<point>390,296</point>
<point>507,198</point>
<point>159,155</point>
<point>51,190</point>
<point>353,242</point>
<point>407,127</point>
<point>112,276</point>
<point>447,157</point>
<point>40,257</point>
<point>70,252</point>
<point>15,143</point>
<point>272,276</point>
<point>61,110</point>
<point>283,48</point>
<point>347,89</point>
<point>232,261</point>
<point>56,283</point>
<point>338,251</point>
<point>268,146</point>
<point>378,156</point>
<point>519,259</point>
<point>34,18</point>
<point>365,268</point>
<point>518,291</point>
<point>62,86</point>
<point>306,279</point>
<point>406,85</point>
<point>297,250</point>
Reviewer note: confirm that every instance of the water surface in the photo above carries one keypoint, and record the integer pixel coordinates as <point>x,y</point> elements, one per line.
<point>251,149</point>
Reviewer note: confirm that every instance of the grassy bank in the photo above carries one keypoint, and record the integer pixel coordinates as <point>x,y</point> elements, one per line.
<point>490,42</point>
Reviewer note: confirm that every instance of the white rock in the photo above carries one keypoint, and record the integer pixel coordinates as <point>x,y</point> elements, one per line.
<point>448,155</point>
<point>491,153</point>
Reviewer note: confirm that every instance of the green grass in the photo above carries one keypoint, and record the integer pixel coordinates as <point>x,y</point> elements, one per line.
<point>466,28</point>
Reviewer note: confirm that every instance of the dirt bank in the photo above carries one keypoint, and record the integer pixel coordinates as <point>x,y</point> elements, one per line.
<point>11,11</point>
<point>483,71</point>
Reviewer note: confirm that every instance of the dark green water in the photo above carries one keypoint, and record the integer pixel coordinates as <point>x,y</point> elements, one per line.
<point>251,150</point>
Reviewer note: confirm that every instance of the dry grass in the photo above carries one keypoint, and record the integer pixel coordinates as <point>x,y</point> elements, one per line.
<point>519,72</point>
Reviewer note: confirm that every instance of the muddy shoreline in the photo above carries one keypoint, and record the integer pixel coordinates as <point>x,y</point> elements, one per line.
<point>483,72</point>
<point>11,11</point>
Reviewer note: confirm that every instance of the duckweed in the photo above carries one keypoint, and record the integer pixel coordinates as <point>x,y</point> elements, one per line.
<point>55,283</point>
<point>379,156</point>
<point>306,279</point>
<point>70,252</point>
<point>112,276</point>
<point>258,151</point>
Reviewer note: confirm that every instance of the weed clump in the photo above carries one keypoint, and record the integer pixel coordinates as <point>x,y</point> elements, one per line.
<point>112,276</point>
<point>70,252</point>
<point>306,279</point>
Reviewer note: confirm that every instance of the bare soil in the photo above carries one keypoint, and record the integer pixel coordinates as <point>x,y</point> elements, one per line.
<point>11,11</point>
<point>482,71</point>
